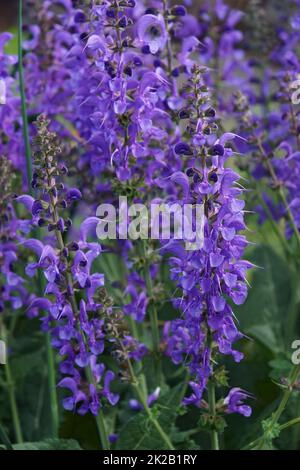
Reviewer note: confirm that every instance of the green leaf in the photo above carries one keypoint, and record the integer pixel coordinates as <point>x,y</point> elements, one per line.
<point>139,433</point>
<point>264,315</point>
<point>49,444</point>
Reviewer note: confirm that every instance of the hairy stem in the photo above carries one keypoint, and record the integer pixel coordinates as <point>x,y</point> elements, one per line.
<point>281,407</point>
<point>290,423</point>
<point>152,313</point>
<point>13,403</point>
<point>212,410</point>
<point>148,411</point>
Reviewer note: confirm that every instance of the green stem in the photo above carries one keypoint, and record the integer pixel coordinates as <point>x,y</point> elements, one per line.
<point>286,396</point>
<point>52,386</point>
<point>13,403</point>
<point>139,365</point>
<point>153,420</point>
<point>148,411</point>
<point>100,420</point>
<point>290,423</point>
<point>50,356</point>
<point>212,410</point>
<point>23,98</point>
<point>152,308</point>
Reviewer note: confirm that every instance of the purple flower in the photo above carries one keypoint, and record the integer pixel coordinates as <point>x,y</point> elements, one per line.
<point>183,148</point>
<point>234,402</point>
<point>151,31</point>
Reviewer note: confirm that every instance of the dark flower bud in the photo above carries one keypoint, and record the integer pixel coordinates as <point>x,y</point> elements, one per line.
<point>157,63</point>
<point>51,227</point>
<point>53,191</point>
<point>73,246</point>
<point>175,72</point>
<point>210,112</point>
<point>196,178</point>
<point>183,149</point>
<point>42,222</point>
<point>150,11</point>
<point>110,13</point>
<point>60,186</point>
<point>218,150</point>
<point>128,71</point>
<point>63,204</point>
<point>65,252</point>
<point>184,114</point>
<point>145,49</point>
<point>178,10</point>
<point>73,30</point>
<point>61,225</point>
<point>88,283</point>
<point>137,61</point>
<point>122,22</point>
<point>131,3</point>
<point>213,177</point>
<point>79,17</point>
<point>190,172</point>
<point>68,223</point>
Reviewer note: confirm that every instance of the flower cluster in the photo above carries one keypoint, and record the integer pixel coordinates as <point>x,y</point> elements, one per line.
<point>131,110</point>
<point>78,330</point>
<point>211,275</point>
<point>128,84</point>
<point>12,285</point>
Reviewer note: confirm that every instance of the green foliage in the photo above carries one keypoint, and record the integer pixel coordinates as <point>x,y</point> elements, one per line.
<point>139,433</point>
<point>264,315</point>
<point>49,444</point>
